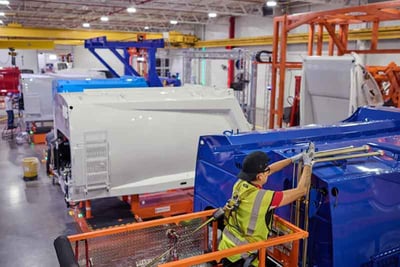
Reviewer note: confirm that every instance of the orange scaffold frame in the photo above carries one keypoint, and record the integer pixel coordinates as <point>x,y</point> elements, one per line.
<point>289,259</point>
<point>324,21</point>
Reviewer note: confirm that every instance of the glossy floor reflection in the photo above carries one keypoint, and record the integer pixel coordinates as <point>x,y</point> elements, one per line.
<point>32,213</point>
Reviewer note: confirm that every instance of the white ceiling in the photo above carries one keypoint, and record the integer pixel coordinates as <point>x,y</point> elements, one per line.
<point>156,14</point>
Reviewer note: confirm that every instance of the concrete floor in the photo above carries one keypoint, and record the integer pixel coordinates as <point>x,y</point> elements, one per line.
<point>32,214</point>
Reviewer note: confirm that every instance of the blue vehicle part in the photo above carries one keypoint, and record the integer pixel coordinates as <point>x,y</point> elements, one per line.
<point>69,86</point>
<point>169,81</point>
<point>354,212</point>
<point>150,45</point>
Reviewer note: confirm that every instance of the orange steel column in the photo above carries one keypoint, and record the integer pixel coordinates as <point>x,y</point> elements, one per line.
<point>343,32</point>
<point>282,70</point>
<point>275,53</point>
<point>262,257</point>
<point>294,255</point>
<point>88,209</point>
<point>320,39</point>
<point>374,37</point>
<point>311,33</point>
<point>331,47</point>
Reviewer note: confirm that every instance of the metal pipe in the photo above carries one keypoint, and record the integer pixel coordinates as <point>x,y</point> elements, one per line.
<point>253,93</point>
<point>360,155</point>
<point>343,150</point>
<point>298,201</point>
<point>305,240</point>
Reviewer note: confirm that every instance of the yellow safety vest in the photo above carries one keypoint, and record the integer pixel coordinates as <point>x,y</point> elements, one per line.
<point>252,215</point>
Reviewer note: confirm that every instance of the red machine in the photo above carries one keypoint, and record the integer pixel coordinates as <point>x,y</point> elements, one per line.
<point>9,80</point>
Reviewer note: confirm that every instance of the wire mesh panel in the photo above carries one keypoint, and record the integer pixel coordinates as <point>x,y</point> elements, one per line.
<point>138,248</point>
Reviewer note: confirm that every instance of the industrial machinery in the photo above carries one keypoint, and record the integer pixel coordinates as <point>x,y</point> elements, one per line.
<point>9,80</point>
<point>149,46</point>
<point>352,212</point>
<point>125,142</point>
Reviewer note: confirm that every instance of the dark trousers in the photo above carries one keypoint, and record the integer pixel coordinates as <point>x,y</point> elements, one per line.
<point>228,263</point>
<point>240,263</point>
<point>10,119</point>
<point>48,161</point>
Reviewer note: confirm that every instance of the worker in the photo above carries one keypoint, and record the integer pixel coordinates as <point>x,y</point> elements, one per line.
<point>8,100</point>
<point>251,219</point>
<point>50,138</point>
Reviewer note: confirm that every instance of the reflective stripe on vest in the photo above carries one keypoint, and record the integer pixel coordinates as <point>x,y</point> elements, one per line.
<point>236,241</point>
<point>254,213</point>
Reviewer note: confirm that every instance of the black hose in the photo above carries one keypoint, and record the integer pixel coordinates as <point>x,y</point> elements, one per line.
<point>64,252</point>
<point>261,56</point>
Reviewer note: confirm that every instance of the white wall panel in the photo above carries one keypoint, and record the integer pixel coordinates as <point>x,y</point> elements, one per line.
<point>253,26</point>
<point>83,59</point>
<point>25,59</point>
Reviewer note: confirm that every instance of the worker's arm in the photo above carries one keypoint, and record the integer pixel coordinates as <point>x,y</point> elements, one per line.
<point>302,187</point>
<point>279,165</point>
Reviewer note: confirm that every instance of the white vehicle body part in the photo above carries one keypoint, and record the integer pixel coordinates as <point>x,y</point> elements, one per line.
<point>125,142</point>
<point>333,87</point>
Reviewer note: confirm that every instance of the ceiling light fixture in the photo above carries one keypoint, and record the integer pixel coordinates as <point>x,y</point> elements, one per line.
<point>131,10</point>
<point>1,22</point>
<point>4,3</point>
<point>271,3</point>
<point>2,14</point>
<point>86,25</point>
<point>52,57</point>
<point>173,22</point>
<point>212,15</point>
<point>146,27</point>
<point>104,18</point>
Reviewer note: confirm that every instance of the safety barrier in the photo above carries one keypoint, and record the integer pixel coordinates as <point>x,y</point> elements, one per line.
<point>140,243</point>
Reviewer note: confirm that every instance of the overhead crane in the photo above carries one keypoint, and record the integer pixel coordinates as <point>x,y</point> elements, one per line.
<point>36,38</point>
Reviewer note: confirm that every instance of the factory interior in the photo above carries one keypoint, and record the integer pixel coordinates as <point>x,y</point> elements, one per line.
<point>140,133</point>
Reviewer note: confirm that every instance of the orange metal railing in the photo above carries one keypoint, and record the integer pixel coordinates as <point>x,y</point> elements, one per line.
<point>144,241</point>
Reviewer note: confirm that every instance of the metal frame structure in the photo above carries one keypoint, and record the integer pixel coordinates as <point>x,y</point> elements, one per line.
<point>388,79</point>
<point>328,21</point>
<point>150,45</point>
<point>247,100</point>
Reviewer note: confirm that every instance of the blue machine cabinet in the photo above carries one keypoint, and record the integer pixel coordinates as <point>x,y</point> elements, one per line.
<point>354,214</point>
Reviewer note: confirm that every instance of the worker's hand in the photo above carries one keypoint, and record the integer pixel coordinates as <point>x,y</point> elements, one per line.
<point>311,150</point>
<point>296,157</point>
<point>307,160</point>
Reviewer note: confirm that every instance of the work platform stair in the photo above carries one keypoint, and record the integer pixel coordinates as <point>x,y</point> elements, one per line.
<point>96,161</point>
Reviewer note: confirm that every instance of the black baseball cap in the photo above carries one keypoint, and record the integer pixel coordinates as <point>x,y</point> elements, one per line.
<point>253,164</point>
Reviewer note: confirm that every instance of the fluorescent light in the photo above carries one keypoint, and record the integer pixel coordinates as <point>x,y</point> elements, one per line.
<point>131,10</point>
<point>2,14</point>
<point>212,15</point>
<point>1,22</point>
<point>104,18</point>
<point>4,2</point>
<point>271,3</point>
<point>86,25</point>
<point>146,27</point>
<point>173,22</point>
